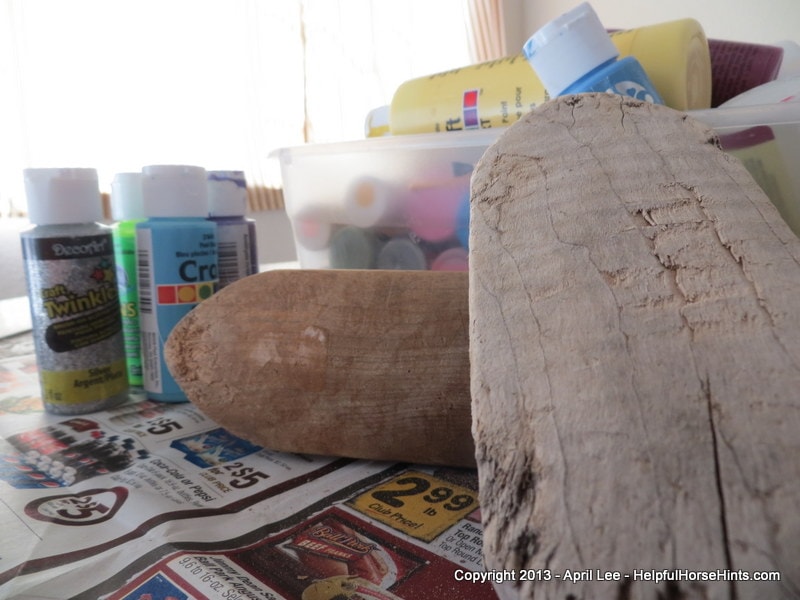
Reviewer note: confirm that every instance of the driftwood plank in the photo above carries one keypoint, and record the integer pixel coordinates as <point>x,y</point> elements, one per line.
<point>364,364</point>
<point>635,358</point>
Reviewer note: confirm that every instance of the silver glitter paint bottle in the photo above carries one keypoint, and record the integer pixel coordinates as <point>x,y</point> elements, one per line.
<point>72,289</point>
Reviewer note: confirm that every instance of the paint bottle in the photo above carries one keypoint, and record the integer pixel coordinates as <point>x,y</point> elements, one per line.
<point>377,122</point>
<point>176,264</point>
<point>790,64</point>
<point>497,93</point>
<point>684,83</point>
<point>573,54</point>
<point>72,289</point>
<point>737,67</point>
<point>127,210</point>
<point>237,249</point>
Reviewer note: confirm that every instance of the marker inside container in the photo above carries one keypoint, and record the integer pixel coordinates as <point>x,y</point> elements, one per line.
<point>370,201</point>
<point>314,225</point>
<point>462,221</point>
<point>431,210</point>
<point>402,254</point>
<point>353,248</point>
<point>452,259</point>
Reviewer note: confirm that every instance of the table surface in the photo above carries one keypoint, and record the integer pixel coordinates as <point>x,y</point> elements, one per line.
<point>153,500</point>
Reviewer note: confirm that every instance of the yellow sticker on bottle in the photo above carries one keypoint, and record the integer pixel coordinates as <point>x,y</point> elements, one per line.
<point>67,388</point>
<point>418,504</point>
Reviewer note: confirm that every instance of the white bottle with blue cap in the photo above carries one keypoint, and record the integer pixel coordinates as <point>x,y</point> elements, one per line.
<point>574,54</point>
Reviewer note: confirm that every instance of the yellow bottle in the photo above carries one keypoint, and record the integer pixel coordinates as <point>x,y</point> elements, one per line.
<point>675,56</point>
<point>498,93</point>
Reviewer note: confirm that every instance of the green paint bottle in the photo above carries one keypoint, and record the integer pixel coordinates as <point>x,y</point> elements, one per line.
<point>127,210</point>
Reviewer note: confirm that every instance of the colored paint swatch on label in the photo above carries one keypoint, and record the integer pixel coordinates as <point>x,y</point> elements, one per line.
<point>470,109</point>
<point>184,293</point>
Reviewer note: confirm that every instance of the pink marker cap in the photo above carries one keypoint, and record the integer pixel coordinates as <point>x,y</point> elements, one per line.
<point>431,211</point>
<point>452,259</point>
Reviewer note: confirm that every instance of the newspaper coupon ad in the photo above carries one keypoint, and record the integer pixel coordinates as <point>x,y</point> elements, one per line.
<point>155,501</point>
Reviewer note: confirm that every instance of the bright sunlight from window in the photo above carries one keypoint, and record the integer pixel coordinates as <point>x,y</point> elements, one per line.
<point>118,84</point>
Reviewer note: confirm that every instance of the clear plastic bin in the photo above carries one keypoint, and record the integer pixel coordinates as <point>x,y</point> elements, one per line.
<point>403,202</point>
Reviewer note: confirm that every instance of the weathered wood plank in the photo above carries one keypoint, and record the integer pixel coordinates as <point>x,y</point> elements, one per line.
<point>635,356</point>
<point>363,364</point>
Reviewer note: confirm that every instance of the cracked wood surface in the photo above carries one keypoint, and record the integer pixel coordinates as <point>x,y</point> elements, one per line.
<point>635,356</point>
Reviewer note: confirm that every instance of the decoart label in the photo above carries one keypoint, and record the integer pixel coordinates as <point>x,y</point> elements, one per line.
<point>61,248</point>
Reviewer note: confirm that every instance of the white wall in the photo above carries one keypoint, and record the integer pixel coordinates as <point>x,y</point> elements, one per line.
<point>758,21</point>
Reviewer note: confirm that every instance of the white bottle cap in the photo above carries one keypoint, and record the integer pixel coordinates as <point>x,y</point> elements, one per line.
<point>790,65</point>
<point>227,194</point>
<point>569,47</point>
<point>377,122</point>
<point>126,197</point>
<point>62,196</point>
<point>174,191</point>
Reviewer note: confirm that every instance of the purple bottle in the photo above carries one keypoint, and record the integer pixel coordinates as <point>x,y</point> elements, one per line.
<point>237,249</point>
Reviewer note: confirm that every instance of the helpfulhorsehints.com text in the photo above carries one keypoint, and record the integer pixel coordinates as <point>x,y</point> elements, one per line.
<point>582,575</point>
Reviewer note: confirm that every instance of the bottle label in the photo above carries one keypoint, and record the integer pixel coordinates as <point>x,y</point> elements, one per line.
<point>235,259</point>
<point>634,89</point>
<point>83,386</point>
<point>625,77</point>
<point>177,269</point>
<point>492,94</point>
<point>125,255</point>
<point>76,318</point>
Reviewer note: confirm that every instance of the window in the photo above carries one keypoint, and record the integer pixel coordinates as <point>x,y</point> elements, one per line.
<point>117,84</point>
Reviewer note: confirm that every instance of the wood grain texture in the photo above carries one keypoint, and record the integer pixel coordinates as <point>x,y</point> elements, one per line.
<point>635,357</point>
<point>364,364</point>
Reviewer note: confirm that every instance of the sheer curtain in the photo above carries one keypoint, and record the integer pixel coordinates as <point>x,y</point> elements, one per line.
<point>117,84</point>
<point>487,39</point>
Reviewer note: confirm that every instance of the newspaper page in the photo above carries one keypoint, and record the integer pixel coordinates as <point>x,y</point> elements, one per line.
<point>153,501</point>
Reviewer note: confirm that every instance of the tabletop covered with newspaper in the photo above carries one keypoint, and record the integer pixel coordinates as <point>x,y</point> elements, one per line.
<point>155,501</point>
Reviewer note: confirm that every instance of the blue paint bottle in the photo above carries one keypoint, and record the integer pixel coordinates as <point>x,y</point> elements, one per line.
<point>574,54</point>
<point>176,249</point>
<point>237,249</point>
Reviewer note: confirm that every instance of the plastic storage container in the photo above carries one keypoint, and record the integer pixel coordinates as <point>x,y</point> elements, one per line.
<point>348,201</point>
